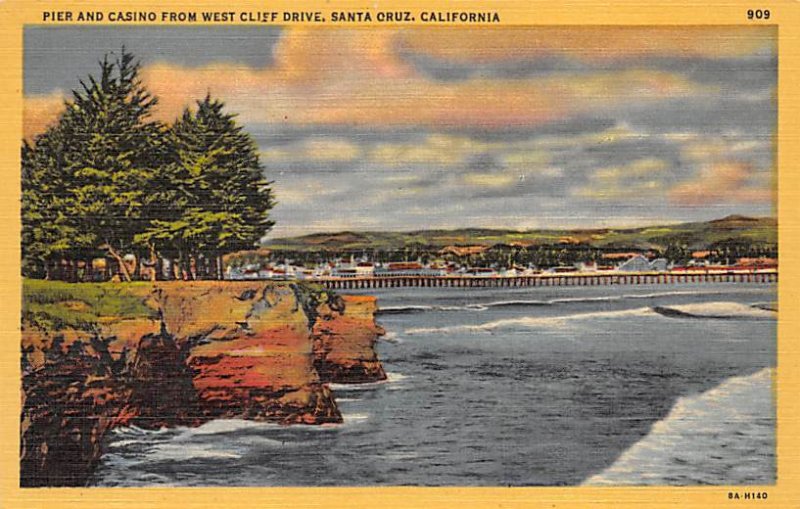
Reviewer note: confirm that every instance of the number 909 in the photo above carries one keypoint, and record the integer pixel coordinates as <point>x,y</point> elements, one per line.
<point>758,14</point>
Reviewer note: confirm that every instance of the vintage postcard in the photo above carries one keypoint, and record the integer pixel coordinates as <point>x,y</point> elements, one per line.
<point>400,254</point>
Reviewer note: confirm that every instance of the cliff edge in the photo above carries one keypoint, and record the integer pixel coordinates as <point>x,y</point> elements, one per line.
<point>96,356</point>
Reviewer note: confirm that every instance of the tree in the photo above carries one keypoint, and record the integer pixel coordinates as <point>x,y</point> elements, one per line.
<point>50,231</point>
<point>108,179</point>
<point>111,154</point>
<point>219,197</point>
<point>677,253</point>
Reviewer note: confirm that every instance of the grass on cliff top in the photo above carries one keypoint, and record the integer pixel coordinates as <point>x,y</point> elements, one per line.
<point>56,305</point>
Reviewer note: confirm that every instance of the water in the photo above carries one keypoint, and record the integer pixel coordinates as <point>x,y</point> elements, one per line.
<point>529,386</point>
<point>725,433</point>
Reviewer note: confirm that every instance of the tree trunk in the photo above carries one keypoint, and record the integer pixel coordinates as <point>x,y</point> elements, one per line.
<point>155,264</point>
<point>72,275</point>
<point>122,266</point>
<point>176,269</point>
<point>207,268</point>
<point>88,272</point>
<point>220,268</point>
<point>214,261</point>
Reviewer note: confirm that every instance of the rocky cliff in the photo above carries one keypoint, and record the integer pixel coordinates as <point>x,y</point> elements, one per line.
<point>167,354</point>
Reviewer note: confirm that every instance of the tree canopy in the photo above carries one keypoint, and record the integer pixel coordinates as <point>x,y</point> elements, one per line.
<point>107,179</point>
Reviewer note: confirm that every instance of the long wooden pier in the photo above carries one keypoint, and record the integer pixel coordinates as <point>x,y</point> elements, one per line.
<point>586,279</point>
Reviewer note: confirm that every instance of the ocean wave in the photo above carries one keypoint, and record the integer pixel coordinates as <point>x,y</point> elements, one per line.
<point>421,308</point>
<point>354,418</point>
<point>391,378</point>
<point>135,431</point>
<point>532,321</point>
<point>391,337</point>
<point>131,435</point>
<point>402,310</point>
<point>120,444</point>
<point>183,451</point>
<point>716,310</point>
<point>723,436</point>
<point>222,426</point>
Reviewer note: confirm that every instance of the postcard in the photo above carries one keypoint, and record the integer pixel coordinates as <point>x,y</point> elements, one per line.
<point>399,253</point>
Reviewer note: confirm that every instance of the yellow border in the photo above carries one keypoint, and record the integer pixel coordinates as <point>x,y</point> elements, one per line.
<point>786,493</point>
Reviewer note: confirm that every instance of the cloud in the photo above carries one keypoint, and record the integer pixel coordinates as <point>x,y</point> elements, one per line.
<point>434,149</point>
<point>335,76</point>
<point>636,169</point>
<point>587,44</point>
<point>722,182</point>
<point>552,125</point>
<point>489,180</point>
<point>620,190</point>
<point>640,178</point>
<point>709,148</point>
<point>313,150</point>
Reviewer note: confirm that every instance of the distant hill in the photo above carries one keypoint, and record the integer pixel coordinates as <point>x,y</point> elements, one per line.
<point>735,228</point>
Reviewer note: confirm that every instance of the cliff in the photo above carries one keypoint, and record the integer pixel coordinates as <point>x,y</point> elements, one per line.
<point>166,354</point>
<point>344,341</point>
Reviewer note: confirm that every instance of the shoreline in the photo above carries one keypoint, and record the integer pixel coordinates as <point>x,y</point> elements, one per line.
<point>98,357</point>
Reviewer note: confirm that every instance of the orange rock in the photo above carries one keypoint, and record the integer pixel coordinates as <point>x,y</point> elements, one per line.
<point>251,350</point>
<point>345,342</point>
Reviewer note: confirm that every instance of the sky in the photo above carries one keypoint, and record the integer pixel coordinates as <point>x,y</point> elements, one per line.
<point>408,128</point>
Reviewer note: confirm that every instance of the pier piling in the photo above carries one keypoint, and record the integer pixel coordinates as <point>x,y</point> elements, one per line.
<point>670,278</point>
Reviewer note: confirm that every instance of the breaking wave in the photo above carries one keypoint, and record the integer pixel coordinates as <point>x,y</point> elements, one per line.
<point>716,310</point>
<point>391,378</point>
<point>532,321</point>
<point>708,310</point>
<point>402,310</point>
<point>397,310</point>
<point>723,436</point>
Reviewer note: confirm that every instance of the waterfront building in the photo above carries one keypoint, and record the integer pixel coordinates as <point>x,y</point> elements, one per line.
<point>407,269</point>
<point>641,264</point>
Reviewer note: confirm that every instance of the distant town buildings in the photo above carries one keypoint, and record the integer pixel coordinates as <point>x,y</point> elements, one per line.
<point>609,263</point>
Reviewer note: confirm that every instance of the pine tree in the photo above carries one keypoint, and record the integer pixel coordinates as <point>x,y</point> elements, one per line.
<point>219,198</point>
<point>111,154</point>
<point>107,179</point>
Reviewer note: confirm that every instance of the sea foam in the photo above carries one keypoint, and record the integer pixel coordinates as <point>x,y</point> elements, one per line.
<point>723,436</point>
<point>483,306</point>
<point>531,322</point>
<point>718,310</point>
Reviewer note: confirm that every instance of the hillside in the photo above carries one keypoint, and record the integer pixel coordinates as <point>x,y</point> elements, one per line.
<point>694,235</point>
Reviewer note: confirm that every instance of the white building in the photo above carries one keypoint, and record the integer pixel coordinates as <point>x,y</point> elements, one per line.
<point>640,264</point>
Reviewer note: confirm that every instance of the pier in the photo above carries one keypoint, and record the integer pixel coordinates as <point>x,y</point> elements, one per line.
<point>585,279</point>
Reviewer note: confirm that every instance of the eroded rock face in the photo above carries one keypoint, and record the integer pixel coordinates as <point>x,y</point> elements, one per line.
<point>344,340</point>
<point>69,402</point>
<point>244,350</point>
<point>250,352</point>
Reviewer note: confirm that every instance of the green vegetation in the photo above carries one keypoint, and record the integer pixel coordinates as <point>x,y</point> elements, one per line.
<point>310,296</point>
<point>700,235</point>
<point>726,239</point>
<point>105,180</point>
<point>55,305</point>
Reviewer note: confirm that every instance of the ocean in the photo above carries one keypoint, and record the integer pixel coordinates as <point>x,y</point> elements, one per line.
<point>619,385</point>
